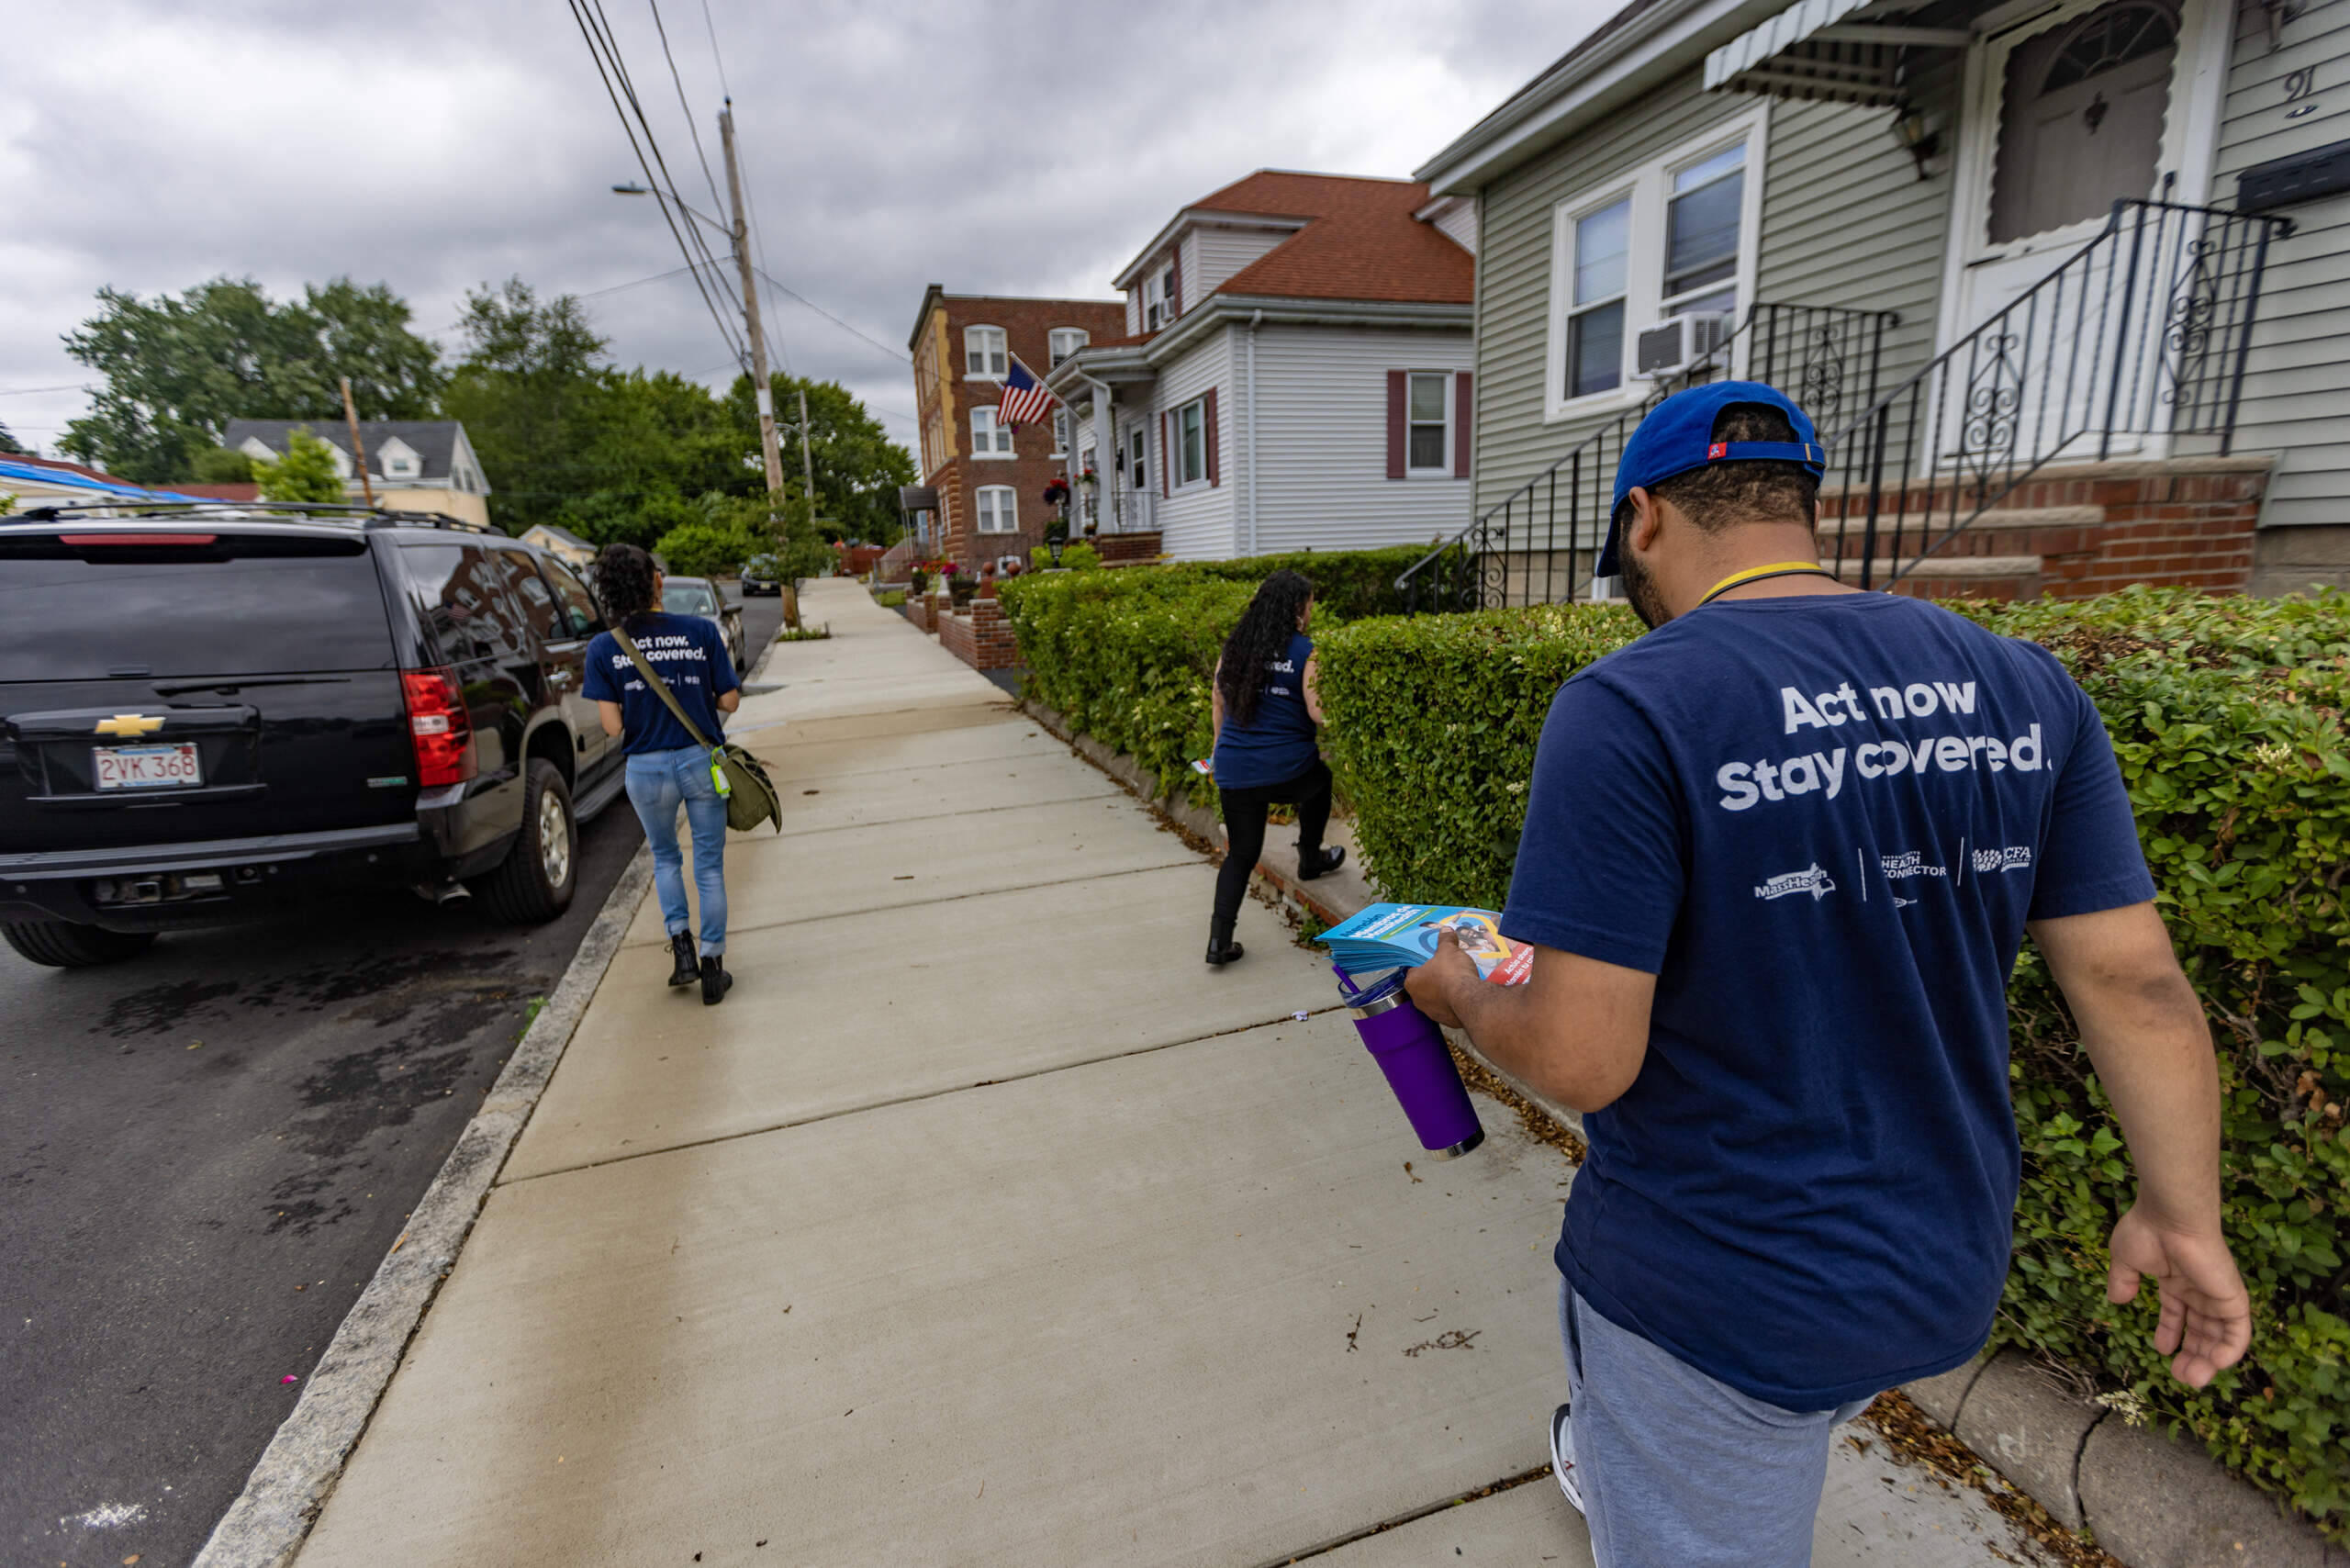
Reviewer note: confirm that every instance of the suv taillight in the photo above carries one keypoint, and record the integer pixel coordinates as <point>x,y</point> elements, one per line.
<point>439,726</point>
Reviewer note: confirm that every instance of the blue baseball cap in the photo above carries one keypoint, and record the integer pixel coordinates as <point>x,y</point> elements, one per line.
<point>1678,435</point>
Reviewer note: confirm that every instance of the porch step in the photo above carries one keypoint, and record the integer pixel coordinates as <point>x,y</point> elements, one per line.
<point>2031,517</point>
<point>1954,569</point>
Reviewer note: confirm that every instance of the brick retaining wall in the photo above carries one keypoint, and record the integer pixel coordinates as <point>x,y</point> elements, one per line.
<point>979,636</point>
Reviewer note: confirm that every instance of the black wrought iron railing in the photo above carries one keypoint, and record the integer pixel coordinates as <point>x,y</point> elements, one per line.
<point>2142,335</point>
<point>1536,545</point>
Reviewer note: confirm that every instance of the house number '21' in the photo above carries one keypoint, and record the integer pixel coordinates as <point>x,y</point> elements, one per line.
<point>2298,86</point>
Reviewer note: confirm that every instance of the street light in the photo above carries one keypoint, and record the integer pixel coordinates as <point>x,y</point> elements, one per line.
<point>632,190</point>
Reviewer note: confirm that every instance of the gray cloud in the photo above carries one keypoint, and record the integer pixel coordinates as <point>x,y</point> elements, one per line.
<point>1026,147</point>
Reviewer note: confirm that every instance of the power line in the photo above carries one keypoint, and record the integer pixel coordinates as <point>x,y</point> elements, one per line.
<point>28,391</point>
<point>843,326</point>
<point>685,247</point>
<point>716,58</point>
<point>679,82</point>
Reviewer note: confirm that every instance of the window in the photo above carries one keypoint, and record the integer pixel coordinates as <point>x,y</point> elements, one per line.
<point>1191,442</point>
<point>1428,422</point>
<point>1067,341</point>
<point>999,510</point>
<point>1158,299</point>
<point>1060,431</point>
<point>988,437</point>
<point>1137,467</point>
<point>1595,322</point>
<point>1669,238</point>
<point>1701,223</point>
<point>579,613</point>
<point>983,352</point>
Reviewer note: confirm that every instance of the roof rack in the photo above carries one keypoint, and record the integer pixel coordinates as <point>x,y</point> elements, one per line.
<point>323,511</point>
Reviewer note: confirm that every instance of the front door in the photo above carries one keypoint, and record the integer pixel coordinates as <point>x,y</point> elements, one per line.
<point>2071,110</point>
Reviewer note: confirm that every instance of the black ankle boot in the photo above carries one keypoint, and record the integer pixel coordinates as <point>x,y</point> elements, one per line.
<point>1222,948</point>
<point>688,967</point>
<point>1322,865</point>
<point>715,981</point>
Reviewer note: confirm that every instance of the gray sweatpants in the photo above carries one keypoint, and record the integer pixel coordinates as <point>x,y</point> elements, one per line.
<point>1679,1471</point>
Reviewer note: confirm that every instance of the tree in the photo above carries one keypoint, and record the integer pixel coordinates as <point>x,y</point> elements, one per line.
<point>859,467</point>
<point>222,465</point>
<point>706,549</point>
<point>306,472</point>
<point>9,442</point>
<point>178,369</point>
<point>522,389</point>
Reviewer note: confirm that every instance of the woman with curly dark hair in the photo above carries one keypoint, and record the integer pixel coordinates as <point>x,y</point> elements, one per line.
<point>666,768</point>
<point>1266,711</point>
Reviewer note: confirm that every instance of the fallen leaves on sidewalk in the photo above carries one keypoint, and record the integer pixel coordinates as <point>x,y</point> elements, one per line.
<point>1908,1432</point>
<point>1538,1122</point>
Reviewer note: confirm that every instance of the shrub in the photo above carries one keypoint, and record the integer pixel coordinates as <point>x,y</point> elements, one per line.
<point>306,473</point>
<point>223,465</point>
<point>704,549</point>
<point>1081,558</point>
<point>2226,715</point>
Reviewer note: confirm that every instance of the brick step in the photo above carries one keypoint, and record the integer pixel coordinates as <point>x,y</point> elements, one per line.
<point>1949,568</point>
<point>1989,523</point>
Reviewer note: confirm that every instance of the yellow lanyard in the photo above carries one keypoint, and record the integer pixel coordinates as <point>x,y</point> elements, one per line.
<point>1756,574</point>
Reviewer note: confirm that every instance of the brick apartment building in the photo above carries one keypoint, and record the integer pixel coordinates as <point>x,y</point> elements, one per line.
<point>991,482</point>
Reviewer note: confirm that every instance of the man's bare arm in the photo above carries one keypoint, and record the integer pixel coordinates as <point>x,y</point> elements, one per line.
<point>2146,1033</point>
<point>1576,1031</point>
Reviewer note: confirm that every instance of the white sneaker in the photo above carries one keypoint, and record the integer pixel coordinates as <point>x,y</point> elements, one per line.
<point>1562,1455</point>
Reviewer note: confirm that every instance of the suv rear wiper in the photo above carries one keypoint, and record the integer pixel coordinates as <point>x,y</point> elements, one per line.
<point>236,683</point>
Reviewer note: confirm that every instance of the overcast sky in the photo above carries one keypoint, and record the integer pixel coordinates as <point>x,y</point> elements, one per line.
<point>1023,147</point>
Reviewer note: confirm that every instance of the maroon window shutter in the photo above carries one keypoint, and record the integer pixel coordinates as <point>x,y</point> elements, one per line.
<point>1166,452</point>
<point>1460,424</point>
<point>1210,418</point>
<point>1395,442</point>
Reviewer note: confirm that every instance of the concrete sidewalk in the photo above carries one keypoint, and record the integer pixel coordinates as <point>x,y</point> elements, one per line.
<point>984,1224</point>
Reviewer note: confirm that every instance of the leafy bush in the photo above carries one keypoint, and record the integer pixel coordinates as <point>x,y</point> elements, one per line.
<point>1349,584</point>
<point>306,473</point>
<point>2227,716</point>
<point>223,465</point>
<point>1081,558</point>
<point>707,549</point>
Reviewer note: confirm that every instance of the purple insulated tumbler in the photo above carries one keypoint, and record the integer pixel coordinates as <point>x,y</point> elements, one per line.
<point>1411,1051</point>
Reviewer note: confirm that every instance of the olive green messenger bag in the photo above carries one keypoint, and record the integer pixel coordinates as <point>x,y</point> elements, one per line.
<point>750,794</point>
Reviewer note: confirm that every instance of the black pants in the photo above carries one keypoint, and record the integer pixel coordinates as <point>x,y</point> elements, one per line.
<point>1244,822</point>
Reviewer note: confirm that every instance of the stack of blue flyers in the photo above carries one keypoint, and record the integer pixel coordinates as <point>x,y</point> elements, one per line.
<point>1398,936</point>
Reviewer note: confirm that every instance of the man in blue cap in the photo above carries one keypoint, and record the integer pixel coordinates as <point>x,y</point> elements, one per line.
<point>1778,857</point>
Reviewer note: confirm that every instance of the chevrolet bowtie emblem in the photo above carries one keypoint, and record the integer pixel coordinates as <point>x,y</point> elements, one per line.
<point>129,724</point>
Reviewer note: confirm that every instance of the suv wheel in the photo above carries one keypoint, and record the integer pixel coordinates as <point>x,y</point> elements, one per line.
<point>64,945</point>
<point>533,884</point>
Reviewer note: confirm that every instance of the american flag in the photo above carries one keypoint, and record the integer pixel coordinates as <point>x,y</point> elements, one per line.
<point>1025,397</point>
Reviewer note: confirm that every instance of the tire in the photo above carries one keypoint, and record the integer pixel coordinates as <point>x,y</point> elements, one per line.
<point>65,944</point>
<point>534,883</point>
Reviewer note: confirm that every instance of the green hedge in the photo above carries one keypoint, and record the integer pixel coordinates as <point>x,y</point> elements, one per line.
<point>2227,716</point>
<point>1127,655</point>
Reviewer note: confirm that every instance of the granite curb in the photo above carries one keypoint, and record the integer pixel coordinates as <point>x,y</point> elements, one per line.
<point>2150,1500</point>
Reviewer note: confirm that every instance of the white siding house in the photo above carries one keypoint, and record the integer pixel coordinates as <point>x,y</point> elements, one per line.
<point>1297,376</point>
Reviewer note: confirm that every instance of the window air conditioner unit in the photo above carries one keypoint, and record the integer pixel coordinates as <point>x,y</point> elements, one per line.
<point>1675,344</point>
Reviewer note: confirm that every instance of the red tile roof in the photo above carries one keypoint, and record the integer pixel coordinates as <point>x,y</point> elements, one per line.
<point>1360,241</point>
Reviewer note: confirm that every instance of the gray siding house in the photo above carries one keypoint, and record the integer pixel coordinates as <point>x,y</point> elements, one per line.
<point>2062,282</point>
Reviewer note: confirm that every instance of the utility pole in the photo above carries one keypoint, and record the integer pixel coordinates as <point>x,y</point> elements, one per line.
<point>762,389</point>
<point>358,453</point>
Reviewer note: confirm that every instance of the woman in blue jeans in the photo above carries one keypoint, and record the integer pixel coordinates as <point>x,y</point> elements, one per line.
<point>666,768</point>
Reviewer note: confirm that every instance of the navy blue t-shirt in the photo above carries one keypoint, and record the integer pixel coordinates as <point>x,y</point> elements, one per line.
<point>1821,823</point>
<point>691,658</point>
<point>1277,743</point>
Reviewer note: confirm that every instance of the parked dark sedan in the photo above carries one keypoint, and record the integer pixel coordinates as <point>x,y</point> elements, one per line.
<point>204,709</point>
<point>761,575</point>
<point>700,596</point>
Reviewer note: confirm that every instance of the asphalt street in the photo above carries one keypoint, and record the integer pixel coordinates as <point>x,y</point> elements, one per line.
<point>206,1151</point>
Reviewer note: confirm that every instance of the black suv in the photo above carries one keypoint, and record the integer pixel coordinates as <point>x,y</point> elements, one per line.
<point>204,710</point>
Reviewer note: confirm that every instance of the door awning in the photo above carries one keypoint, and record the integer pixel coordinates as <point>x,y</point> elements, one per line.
<point>1833,51</point>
